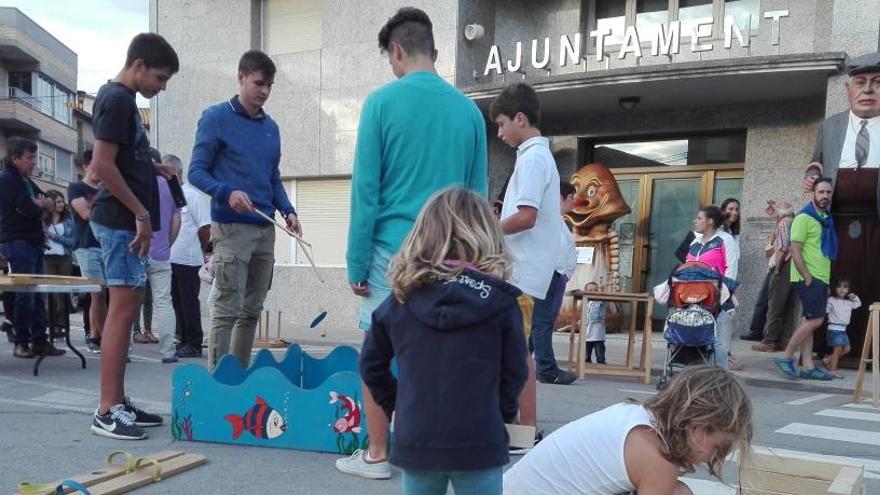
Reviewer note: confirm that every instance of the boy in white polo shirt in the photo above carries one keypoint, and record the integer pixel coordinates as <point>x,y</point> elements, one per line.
<point>530,221</point>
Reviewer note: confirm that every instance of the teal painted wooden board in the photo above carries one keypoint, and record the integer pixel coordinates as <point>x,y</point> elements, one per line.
<point>300,403</point>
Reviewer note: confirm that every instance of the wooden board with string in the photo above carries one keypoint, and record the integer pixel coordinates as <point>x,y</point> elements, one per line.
<point>118,478</point>
<point>773,474</point>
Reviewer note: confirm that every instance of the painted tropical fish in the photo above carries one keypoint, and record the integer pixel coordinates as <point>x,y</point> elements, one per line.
<point>351,422</point>
<point>260,420</point>
<point>597,200</point>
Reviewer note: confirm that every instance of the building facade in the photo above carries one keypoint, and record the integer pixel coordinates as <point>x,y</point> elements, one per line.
<point>38,96</point>
<point>687,101</point>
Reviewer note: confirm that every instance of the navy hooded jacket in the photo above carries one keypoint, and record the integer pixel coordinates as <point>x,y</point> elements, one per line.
<point>461,355</point>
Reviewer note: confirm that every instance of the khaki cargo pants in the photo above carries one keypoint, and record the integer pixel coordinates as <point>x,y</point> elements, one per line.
<point>244,257</point>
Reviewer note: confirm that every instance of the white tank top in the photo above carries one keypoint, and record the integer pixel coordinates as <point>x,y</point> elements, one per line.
<point>584,457</point>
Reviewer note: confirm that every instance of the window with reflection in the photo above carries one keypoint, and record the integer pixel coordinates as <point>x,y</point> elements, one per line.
<point>695,150</point>
<point>690,11</point>
<point>650,15</point>
<point>611,16</point>
<point>746,13</point>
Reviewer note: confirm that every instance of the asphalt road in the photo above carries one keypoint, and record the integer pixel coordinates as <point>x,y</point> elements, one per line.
<point>44,430</point>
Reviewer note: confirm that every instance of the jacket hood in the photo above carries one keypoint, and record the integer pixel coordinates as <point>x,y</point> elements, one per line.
<point>470,298</point>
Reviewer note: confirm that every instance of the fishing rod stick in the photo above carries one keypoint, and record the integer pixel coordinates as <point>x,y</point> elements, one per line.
<point>309,257</point>
<point>283,228</point>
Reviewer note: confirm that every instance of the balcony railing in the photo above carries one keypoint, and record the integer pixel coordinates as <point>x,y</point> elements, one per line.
<point>23,96</point>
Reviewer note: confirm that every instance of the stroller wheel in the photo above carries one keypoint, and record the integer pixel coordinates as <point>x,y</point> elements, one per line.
<point>662,383</point>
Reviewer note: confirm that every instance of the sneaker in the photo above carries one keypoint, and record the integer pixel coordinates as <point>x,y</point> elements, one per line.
<point>23,351</point>
<point>117,423</point>
<point>356,465</point>
<point>141,338</point>
<point>189,351</point>
<point>786,366</point>
<point>93,346</point>
<point>170,360</point>
<point>815,374</point>
<point>562,377</point>
<point>524,450</point>
<point>46,349</point>
<point>141,417</point>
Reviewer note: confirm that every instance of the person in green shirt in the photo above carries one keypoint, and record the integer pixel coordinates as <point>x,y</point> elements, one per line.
<point>416,136</point>
<point>813,248</point>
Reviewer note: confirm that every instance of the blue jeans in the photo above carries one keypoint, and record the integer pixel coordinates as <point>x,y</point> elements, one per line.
<point>377,281</point>
<point>479,482</point>
<point>543,318</point>
<point>122,267</point>
<point>29,321</point>
<point>721,349</point>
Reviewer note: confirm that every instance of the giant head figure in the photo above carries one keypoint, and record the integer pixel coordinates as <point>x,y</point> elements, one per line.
<point>597,201</point>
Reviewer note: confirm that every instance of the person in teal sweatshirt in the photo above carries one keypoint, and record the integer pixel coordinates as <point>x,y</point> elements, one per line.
<point>417,135</point>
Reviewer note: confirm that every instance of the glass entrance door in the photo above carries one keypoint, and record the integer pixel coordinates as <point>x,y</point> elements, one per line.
<point>674,203</point>
<point>664,204</point>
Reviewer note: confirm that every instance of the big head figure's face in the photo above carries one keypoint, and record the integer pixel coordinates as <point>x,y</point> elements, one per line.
<point>863,93</point>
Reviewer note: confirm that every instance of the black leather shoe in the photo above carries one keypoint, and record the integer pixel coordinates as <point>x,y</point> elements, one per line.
<point>754,337</point>
<point>47,349</point>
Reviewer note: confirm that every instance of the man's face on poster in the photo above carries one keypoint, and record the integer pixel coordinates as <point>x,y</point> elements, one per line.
<point>863,93</point>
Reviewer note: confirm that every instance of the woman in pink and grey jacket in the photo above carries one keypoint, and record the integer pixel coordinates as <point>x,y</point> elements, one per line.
<point>718,249</point>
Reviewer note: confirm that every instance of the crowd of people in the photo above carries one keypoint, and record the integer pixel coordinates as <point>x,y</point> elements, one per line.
<point>445,282</point>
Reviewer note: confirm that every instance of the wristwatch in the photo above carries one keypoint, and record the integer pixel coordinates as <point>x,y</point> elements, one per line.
<point>143,217</point>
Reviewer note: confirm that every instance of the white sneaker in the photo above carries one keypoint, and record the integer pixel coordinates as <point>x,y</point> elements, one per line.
<point>356,465</point>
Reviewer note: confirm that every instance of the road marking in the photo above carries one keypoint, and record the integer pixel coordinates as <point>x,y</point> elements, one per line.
<point>165,406</point>
<point>832,433</point>
<point>43,405</point>
<point>634,391</point>
<point>807,400</point>
<point>844,414</point>
<point>872,468</point>
<point>708,487</point>
<point>867,405</point>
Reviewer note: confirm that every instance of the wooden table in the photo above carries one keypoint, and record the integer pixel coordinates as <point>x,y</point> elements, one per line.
<point>627,369</point>
<point>52,284</point>
<point>870,354</point>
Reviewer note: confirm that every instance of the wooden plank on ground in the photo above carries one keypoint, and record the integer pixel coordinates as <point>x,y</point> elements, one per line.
<point>145,475</point>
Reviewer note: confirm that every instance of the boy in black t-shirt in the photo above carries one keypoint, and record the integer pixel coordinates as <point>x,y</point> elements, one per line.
<point>87,250</point>
<point>123,218</point>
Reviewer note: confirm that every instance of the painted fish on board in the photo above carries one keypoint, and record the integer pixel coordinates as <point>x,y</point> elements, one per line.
<point>351,421</point>
<point>260,421</point>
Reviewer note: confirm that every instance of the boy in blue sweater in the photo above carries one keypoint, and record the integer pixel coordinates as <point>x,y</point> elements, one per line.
<point>235,161</point>
<point>417,135</point>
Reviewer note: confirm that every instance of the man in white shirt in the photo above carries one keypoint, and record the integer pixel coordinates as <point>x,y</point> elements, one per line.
<point>187,256</point>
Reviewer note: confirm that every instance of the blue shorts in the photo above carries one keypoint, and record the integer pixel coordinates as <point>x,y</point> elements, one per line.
<point>814,299</point>
<point>122,268</point>
<point>91,263</point>
<point>836,337</point>
<point>377,281</point>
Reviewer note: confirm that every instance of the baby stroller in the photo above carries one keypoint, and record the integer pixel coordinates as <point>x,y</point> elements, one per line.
<point>694,297</point>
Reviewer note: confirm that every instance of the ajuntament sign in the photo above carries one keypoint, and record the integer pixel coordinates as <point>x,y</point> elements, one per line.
<point>666,40</point>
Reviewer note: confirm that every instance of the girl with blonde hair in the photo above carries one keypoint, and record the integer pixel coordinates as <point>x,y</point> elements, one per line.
<point>699,419</point>
<point>454,327</point>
